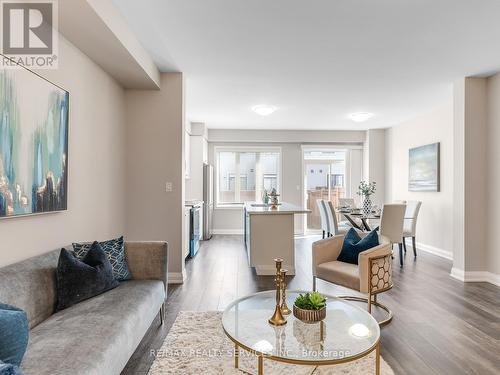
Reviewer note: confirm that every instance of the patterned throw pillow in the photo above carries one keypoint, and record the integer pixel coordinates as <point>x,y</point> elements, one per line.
<point>9,369</point>
<point>115,250</point>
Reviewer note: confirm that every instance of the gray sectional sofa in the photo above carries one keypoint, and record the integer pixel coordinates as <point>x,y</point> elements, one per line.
<point>96,336</point>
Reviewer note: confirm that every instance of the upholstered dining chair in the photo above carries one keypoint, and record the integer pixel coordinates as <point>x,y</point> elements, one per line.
<point>347,202</point>
<point>332,219</point>
<point>410,223</point>
<point>325,226</point>
<point>372,275</point>
<point>391,226</point>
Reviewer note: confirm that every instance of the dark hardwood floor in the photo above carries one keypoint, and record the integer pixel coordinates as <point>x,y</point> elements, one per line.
<point>441,326</point>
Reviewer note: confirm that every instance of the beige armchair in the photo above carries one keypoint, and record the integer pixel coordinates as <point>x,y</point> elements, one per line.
<point>372,275</point>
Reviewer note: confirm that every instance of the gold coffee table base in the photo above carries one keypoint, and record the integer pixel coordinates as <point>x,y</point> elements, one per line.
<point>245,323</point>
<point>383,322</point>
<point>260,359</point>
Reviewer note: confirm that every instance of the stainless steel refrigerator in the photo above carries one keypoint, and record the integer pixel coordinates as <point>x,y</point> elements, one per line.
<point>208,200</point>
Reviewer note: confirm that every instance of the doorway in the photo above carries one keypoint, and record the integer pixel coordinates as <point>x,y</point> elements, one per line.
<point>325,177</point>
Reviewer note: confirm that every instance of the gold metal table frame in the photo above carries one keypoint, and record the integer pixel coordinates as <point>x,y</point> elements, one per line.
<point>327,362</point>
<point>261,356</point>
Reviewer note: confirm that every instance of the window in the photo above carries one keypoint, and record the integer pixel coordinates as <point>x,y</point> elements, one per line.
<point>242,175</point>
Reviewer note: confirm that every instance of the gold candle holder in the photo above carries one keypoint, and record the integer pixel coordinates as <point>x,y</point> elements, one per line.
<point>284,308</point>
<point>277,319</point>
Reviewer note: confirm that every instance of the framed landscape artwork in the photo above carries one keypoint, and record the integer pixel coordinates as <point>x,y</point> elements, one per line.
<point>424,169</point>
<point>33,144</point>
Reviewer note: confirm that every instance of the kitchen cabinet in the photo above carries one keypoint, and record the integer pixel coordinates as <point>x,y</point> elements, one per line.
<point>187,227</point>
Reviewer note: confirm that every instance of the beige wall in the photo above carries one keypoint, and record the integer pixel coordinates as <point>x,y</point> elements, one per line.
<point>286,136</point>
<point>96,205</point>
<point>493,174</point>
<point>476,175</point>
<point>435,222</point>
<point>458,179</point>
<point>155,155</point>
<point>472,178</point>
<point>374,163</point>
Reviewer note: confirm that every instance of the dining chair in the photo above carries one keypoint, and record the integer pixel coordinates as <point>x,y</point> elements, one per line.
<point>391,226</point>
<point>410,223</point>
<point>325,227</point>
<point>335,228</point>
<point>371,276</point>
<point>348,202</point>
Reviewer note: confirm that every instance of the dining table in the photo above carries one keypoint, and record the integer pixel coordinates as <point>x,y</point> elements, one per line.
<point>352,216</point>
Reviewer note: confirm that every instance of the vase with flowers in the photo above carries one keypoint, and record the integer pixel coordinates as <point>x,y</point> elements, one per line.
<point>365,190</point>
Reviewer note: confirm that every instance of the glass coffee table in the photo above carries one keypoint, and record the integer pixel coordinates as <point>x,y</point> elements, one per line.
<point>346,334</point>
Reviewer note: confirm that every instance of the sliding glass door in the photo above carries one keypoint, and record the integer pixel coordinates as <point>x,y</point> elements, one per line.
<point>325,177</point>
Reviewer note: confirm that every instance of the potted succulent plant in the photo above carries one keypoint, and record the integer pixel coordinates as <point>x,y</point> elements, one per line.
<point>310,307</point>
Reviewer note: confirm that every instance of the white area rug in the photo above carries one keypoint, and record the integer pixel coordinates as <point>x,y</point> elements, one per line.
<point>196,344</point>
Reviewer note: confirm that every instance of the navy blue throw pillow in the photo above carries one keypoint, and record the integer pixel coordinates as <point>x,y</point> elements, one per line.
<point>115,250</point>
<point>353,245</point>
<point>9,369</point>
<point>78,280</point>
<point>14,331</point>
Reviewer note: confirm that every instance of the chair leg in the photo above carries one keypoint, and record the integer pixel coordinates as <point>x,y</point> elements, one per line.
<point>162,313</point>
<point>369,303</point>
<point>324,234</point>
<point>400,254</point>
<point>314,283</point>
<point>404,244</point>
<point>413,241</point>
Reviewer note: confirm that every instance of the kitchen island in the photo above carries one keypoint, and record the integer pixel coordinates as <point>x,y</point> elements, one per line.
<point>269,234</point>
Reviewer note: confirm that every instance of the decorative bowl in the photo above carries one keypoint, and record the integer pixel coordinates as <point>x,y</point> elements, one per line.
<point>309,316</point>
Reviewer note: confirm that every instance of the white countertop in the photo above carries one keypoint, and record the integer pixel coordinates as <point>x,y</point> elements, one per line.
<point>282,209</point>
<point>193,203</point>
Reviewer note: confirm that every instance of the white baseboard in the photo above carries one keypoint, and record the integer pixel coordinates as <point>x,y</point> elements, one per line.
<point>431,250</point>
<point>482,276</point>
<point>176,277</point>
<point>475,276</point>
<point>227,231</point>
<point>458,274</point>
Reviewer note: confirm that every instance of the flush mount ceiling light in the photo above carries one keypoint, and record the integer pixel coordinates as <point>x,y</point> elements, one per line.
<point>360,116</point>
<point>263,109</point>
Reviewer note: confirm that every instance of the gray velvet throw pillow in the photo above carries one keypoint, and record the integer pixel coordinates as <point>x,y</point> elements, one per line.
<point>78,280</point>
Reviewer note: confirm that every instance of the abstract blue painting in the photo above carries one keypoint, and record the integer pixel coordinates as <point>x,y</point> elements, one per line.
<point>33,144</point>
<point>424,168</point>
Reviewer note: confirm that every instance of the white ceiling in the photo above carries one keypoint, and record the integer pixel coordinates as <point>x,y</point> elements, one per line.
<point>317,60</point>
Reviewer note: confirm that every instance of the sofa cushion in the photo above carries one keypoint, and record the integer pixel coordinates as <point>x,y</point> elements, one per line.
<point>13,334</point>
<point>78,280</point>
<point>115,250</point>
<point>340,273</point>
<point>96,336</point>
<point>36,279</point>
